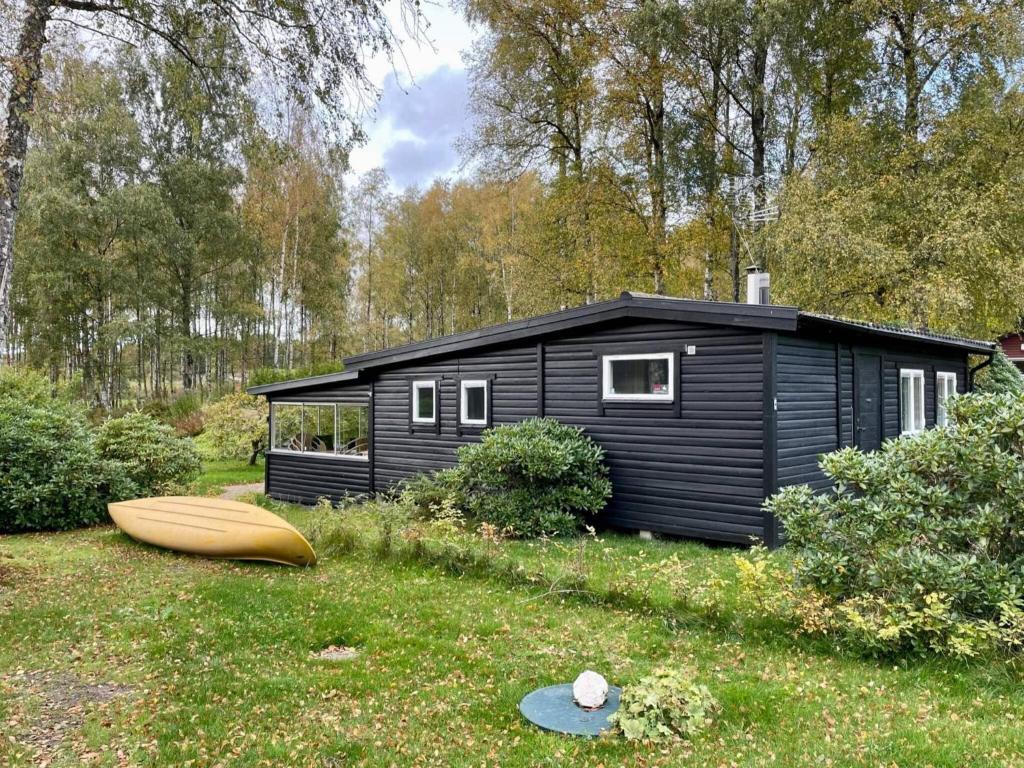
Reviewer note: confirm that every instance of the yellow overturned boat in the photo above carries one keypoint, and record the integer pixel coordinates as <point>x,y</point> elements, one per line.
<point>213,528</point>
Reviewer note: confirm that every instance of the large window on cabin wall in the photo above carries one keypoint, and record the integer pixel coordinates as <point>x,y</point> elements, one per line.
<point>911,401</point>
<point>638,378</point>
<point>945,388</point>
<point>324,429</point>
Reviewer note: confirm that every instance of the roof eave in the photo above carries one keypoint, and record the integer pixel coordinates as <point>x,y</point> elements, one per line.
<point>974,346</point>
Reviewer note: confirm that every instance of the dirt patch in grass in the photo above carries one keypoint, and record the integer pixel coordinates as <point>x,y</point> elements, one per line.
<point>7,574</point>
<point>53,706</point>
<point>336,653</point>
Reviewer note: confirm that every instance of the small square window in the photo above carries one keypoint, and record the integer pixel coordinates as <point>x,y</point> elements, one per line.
<point>474,403</point>
<point>945,388</point>
<point>911,401</point>
<point>424,402</point>
<point>638,377</point>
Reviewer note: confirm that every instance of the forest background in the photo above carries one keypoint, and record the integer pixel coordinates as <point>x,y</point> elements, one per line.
<point>195,228</point>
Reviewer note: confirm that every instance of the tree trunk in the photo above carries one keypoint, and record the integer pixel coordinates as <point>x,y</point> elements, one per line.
<point>25,68</point>
<point>758,124</point>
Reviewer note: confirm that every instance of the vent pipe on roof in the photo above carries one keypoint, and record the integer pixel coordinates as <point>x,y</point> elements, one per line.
<point>758,284</point>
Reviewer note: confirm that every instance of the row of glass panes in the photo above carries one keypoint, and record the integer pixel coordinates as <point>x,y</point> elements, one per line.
<point>912,399</point>
<point>337,429</point>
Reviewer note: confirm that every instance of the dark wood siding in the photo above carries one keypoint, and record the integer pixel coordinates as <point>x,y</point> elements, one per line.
<point>400,453</point>
<point>930,363</point>
<point>692,472</point>
<point>808,412</point>
<point>295,477</point>
<point>816,392</point>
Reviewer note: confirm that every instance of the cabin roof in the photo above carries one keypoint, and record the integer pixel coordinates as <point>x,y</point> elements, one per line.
<point>628,305</point>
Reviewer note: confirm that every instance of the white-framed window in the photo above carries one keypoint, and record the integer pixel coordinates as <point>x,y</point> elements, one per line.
<point>320,429</point>
<point>945,388</point>
<point>911,401</point>
<point>424,402</point>
<point>638,378</point>
<point>473,402</point>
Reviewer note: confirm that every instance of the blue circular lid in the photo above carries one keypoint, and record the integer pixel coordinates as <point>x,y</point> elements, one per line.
<point>553,709</point>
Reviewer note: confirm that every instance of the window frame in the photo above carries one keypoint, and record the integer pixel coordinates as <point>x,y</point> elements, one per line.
<point>417,385</point>
<point>606,378</point>
<point>940,403</point>
<point>914,375</point>
<point>337,405</point>
<point>464,419</point>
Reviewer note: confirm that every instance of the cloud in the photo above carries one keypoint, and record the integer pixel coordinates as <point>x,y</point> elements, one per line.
<point>418,125</point>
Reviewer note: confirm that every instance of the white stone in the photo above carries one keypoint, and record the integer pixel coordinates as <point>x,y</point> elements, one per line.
<point>590,690</point>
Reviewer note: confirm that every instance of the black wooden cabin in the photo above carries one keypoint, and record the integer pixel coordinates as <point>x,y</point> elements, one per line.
<point>704,408</point>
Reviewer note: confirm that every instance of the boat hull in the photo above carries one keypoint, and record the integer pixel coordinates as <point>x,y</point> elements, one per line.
<point>212,528</point>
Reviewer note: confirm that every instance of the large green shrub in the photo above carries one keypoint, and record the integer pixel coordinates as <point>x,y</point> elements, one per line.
<point>532,478</point>
<point>1001,375</point>
<point>157,461</point>
<point>921,544</point>
<point>235,427</point>
<point>52,476</point>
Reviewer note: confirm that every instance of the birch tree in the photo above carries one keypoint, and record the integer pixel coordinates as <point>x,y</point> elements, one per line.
<point>315,48</point>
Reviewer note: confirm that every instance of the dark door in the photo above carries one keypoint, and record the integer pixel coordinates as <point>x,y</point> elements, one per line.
<point>867,396</point>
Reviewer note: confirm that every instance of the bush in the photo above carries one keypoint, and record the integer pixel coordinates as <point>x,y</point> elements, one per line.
<point>1000,376</point>
<point>273,375</point>
<point>52,476</point>
<point>921,544</point>
<point>235,427</point>
<point>537,477</point>
<point>24,385</point>
<point>183,412</point>
<point>154,459</point>
<point>664,706</point>
<point>427,496</point>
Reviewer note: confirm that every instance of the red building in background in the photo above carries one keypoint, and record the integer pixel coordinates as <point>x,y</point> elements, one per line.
<point>1013,347</point>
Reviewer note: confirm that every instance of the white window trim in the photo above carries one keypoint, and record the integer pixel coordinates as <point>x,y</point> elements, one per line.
<point>464,403</point>
<point>940,402</point>
<point>416,387</point>
<point>918,375</point>
<point>606,378</point>
<point>316,454</point>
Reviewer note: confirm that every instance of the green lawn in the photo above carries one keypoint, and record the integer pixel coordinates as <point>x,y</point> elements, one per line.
<point>213,660</point>
<point>217,474</point>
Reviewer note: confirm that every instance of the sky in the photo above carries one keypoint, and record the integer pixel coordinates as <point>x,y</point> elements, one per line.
<point>423,106</point>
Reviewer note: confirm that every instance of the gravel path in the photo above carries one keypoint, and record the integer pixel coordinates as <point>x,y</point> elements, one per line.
<point>234,492</point>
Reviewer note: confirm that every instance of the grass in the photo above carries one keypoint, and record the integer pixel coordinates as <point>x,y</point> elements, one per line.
<point>216,661</point>
<point>217,474</point>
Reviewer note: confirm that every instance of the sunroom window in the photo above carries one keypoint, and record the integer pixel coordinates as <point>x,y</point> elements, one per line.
<point>945,388</point>
<point>911,401</point>
<point>286,419</point>
<point>424,402</point>
<point>644,377</point>
<point>323,429</point>
<point>474,402</point>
